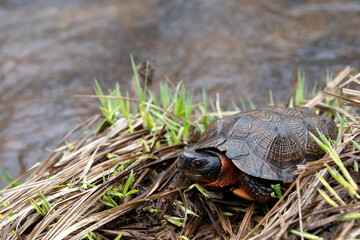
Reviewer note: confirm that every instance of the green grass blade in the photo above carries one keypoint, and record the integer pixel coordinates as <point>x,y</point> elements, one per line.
<point>291,103</point>
<point>319,142</point>
<point>44,202</point>
<point>37,207</point>
<point>271,104</point>
<point>128,182</point>
<point>350,216</point>
<point>243,104</point>
<point>327,198</point>
<point>301,92</point>
<point>108,201</point>
<point>116,193</point>
<point>131,192</point>
<point>330,189</point>
<point>99,92</point>
<point>118,237</point>
<point>250,230</point>
<point>251,103</point>
<point>141,95</point>
<point>356,166</point>
<point>315,89</point>
<point>356,145</point>
<point>91,236</point>
<point>8,177</point>
<point>337,176</point>
<point>174,220</point>
<point>165,95</point>
<point>342,121</point>
<point>202,190</point>
<point>184,237</point>
<point>305,235</point>
<point>146,77</point>
<point>188,211</point>
<point>235,106</point>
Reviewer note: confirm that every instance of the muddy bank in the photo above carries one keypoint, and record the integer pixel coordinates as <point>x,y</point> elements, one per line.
<point>51,50</point>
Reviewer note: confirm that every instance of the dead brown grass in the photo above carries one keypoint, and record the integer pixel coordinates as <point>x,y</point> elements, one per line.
<point>76,208</point>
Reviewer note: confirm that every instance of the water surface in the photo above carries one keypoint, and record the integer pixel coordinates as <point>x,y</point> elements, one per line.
<point>52,49</point>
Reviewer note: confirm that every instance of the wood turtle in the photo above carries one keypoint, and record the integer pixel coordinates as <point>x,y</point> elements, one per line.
<point>249,151</point>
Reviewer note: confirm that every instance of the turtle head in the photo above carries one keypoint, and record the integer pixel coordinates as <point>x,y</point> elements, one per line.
<point>200,166</point>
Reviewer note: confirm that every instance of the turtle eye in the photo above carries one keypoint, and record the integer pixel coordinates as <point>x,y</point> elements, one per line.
<point>198,164</point>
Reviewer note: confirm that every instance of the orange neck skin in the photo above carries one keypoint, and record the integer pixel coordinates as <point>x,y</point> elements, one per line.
<point>229,175</point>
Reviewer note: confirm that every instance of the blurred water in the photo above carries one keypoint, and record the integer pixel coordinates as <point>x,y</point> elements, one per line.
<point>53,49</point>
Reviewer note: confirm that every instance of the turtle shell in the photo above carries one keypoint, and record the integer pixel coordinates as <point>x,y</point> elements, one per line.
<point>269,142</point>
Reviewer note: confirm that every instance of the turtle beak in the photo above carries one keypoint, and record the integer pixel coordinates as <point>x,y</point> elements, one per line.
<point>185,166</point>
<point>185,159</point>
<point>199,167</point>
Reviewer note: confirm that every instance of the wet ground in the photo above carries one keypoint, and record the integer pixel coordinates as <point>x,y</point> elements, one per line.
<point>53,49</point>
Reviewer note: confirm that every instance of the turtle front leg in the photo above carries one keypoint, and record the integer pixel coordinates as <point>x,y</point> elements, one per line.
<point>254,189</point>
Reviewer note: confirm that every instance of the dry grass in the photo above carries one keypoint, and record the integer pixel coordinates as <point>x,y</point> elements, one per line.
<point>76,178</point>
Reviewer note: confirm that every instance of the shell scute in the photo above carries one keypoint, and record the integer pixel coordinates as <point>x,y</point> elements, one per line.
<point>242,127</point>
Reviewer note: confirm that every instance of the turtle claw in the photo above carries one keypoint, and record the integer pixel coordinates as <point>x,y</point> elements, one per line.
<point>243,194</point>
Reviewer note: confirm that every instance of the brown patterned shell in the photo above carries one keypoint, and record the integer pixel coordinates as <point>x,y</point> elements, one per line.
<point>269,142</point>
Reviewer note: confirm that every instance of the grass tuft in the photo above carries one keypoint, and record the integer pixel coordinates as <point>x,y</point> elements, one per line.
<point>43,207</point>
<point>174,108</point>
<point>348,181</point>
